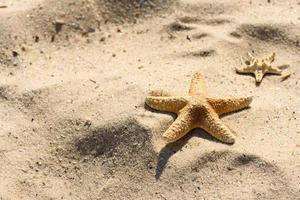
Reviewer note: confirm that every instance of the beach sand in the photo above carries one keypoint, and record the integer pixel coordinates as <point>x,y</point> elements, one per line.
<point>74,76</point>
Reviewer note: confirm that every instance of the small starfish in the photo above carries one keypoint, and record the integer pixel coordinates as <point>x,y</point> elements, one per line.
<point>197,111</point>
<point>259,68</point>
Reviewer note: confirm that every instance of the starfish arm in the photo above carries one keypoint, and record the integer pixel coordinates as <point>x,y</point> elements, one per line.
<point>274,70</point>
<point>198,87</point>
<point>259,74</point>
<point>222,106</point>
<point>246,70</point>
<point>215,127</point>
<point>179,128</point>
<point>252,58</point>
<point>270,59</point>
<point>164,103</point>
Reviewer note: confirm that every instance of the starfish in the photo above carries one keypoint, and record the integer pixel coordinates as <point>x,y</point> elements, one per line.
<point>196,110</point>
<point>259,67</point>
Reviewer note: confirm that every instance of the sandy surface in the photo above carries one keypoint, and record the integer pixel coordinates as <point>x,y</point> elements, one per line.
<point>74,75</point>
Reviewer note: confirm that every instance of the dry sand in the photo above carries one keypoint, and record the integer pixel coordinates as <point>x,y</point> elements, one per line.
<point>74,75</point>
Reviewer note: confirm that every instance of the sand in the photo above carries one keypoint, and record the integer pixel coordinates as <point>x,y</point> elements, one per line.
<point>74,75</point>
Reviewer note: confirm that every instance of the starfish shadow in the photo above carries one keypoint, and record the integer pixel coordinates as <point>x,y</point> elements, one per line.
<point>252,75</point>
<point>170,149</point>
<point>265,75</point>
<point>282,67</point>
<point>257,84</point>
<point>165,154</point>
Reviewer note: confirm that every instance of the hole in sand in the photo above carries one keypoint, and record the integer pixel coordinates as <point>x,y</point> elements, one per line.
<point>201,53</point>
<point>176,26</point>
<point>206,21</point>
<point>199,35</point>
<point>188,19</point>
<point>235,34</point>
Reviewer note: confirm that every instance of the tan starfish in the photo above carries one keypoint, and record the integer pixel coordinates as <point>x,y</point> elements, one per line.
<point>259,67</point>
<point>197,111</point>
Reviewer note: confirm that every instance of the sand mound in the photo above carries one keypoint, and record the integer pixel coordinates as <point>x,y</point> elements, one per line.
<point>217,174</point>
<point>273,33</point>
<point>124,142</point>
<point>233,173</point>
<point>58,20</point>
<point>120,11</point>
<point>131,167</point>
<point>264,32</point>
<point>63,21</point>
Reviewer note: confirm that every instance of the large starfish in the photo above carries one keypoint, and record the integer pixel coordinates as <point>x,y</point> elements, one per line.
<point>197,111</point>
<point>259,67</point>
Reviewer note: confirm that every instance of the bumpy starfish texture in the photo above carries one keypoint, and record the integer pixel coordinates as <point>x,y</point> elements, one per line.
<point>259,67</point>
<point>197,111</point>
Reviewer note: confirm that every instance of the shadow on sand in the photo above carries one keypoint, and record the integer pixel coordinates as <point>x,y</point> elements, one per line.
<point>170,149</point>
